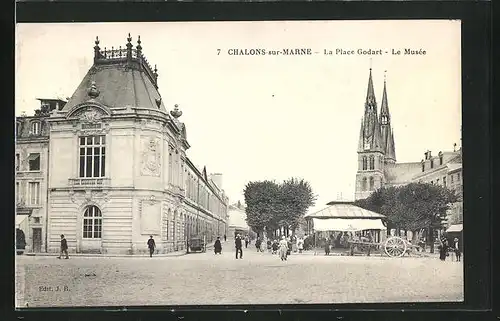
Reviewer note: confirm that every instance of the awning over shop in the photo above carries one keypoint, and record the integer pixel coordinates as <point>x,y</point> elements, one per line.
<point>347,225</point>
<point>20,219</point>
<point>455,228</point>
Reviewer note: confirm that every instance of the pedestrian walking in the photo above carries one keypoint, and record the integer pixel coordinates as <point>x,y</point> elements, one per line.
<point>217,246</point>
<point>225,238</point>
<point>151,245</point>
<point>269,245</point>
<point>327,246</point>
<point>275,246</point>
<point>246,241</point>
<point>283,249</point>
<point>300,244</point>
<point>289,244</point>
<point>456,248</point>
<point>237,243</point>
<point>64,247</point>
<point>443,250</point>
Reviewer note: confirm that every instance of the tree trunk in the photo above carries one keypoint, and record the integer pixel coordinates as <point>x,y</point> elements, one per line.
<point>430,239</point>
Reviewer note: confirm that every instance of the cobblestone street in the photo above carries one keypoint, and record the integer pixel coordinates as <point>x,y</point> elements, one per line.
<point>259,278</point>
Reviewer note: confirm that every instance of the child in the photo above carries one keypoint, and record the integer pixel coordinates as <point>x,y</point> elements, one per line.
<point>456,249</point>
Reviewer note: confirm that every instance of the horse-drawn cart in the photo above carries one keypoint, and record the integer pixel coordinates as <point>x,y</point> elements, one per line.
<point>196,244</point>
<point>394,246</point>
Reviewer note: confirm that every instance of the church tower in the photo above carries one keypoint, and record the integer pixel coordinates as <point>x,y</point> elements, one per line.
<point>371,149</point>
<point>386,130</point>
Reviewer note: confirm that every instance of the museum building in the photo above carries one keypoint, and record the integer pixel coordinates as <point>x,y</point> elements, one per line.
<point>117,170</point>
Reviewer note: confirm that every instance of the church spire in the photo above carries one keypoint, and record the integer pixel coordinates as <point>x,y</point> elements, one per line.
<point>370,93</point>
<point>384,108</point>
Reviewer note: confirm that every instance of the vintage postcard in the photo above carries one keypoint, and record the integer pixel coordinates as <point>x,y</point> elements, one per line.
<point>206,163</point>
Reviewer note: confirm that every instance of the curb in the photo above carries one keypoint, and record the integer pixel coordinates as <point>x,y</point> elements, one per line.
<point>171,254</point>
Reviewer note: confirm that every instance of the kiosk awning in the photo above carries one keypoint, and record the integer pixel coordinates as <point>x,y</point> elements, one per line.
<point>455,228</point>
<point>347,225</point>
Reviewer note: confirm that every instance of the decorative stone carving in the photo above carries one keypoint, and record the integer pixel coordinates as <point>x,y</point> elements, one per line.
<point>90,115</point>
<point>103,195</point>
<point>72,196</point>
<point>151,157</point>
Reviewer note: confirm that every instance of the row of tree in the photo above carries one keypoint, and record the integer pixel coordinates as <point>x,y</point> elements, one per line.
<point>271,206</point>
<point>412,207</point>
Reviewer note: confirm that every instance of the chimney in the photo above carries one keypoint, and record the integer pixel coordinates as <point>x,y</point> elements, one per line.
<point>426,155</point>
<point>217,179</point>
<point>430,155</point>
<point>239,204</point>
<point>455,147</point>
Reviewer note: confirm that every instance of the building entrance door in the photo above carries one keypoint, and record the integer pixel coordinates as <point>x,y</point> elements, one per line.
<point>37,240</point>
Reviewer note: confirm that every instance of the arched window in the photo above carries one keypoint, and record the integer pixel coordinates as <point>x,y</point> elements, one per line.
<point>365,164</point>
<point>372,184</point>
<point>363,184</point>
<point>372,162</point>
<point>92,223</point>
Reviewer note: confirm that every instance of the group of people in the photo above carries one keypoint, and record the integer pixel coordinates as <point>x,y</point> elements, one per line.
<point>445,249</point>
<point>283,248</point>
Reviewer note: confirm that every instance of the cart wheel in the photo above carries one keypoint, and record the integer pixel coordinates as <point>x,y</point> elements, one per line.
<point>395,246</point>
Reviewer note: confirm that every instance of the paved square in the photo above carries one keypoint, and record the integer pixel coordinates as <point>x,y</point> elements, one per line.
<point>259,278</point>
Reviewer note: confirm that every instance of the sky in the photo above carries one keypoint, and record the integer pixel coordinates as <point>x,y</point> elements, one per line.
<point>273,117</point>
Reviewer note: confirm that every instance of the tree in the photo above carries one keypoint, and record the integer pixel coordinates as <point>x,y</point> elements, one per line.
<point>412,207</point>
<point>271,205</point>
<point>260,198</point>
<point>296,198</point>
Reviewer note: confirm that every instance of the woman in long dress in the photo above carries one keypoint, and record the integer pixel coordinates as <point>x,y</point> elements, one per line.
<point>283,248</point>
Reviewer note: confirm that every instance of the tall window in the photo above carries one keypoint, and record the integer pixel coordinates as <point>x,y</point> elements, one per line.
<point>92,223</point>
<point>18,192</point>
<point>365,164</point>
<point>35,128</point>
<point>34,193</point>
<point>18,128</point>
<point>458,177</point>
<point>92,156</point>
<point>432,163</point>
<point>444,181</point>
<point>364,184</point>
<point>18,161</point>
<point>440,159</point>
<point>372,162</point>
<point>170,167</point>
<point>34,161</point>
<point>423,166</point>
<point>372,184</point>
<point>451,176</point>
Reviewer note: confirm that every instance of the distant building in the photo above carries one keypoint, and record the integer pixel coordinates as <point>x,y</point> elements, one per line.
<point>112,165</point>
<point>31,167</point>
<point>377,164</point>
<point>237,220</point>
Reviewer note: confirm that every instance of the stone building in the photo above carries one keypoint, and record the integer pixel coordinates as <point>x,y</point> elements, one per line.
<point>31,167</point>
<point>377,164</point>
<point>118,169</point>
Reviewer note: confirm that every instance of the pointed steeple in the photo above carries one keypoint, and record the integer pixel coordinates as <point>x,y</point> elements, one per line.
<point>384,108</point>
<point>370,93</point>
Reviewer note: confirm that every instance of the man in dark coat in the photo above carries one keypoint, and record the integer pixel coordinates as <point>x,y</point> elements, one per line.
<point>151,245</point>
<point>218,246</point>
<point>64,247</point>
<point>225,238</point>
<point>237,243</point>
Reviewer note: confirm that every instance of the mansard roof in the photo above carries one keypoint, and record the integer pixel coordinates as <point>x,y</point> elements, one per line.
<point>123,78</point>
